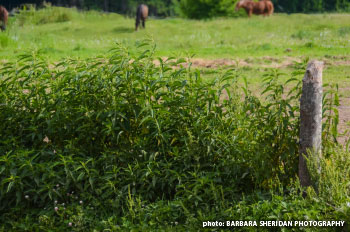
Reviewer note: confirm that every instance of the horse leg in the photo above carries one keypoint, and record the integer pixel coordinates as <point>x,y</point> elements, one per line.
<point>2,25</point>
<point>143,23</point>
<point>247,10</point>
<point>137,24</point>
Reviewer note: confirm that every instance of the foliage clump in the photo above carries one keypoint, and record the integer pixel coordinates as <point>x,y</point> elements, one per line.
<point>139,142</point>
<point>44,16</point>
<point>205,9</point>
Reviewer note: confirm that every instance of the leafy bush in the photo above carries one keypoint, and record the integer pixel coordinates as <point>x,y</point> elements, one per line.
<point>141,142</point>
<point>44,16</point>
<point>206,8</point>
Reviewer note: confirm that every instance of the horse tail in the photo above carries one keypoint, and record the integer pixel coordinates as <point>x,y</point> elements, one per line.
<point>3,17</point>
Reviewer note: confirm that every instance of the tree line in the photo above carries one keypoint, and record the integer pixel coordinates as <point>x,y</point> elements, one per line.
<point>188,8</point>
<point>161,8</point>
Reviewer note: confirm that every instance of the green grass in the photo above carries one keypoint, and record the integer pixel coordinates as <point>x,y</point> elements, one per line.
<point>85,34</point>
<point>331,74</point>
<point>62,32</point>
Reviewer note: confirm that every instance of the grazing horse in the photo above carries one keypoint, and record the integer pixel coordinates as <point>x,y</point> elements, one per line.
<point>3,17</point>
<point>141,15</point>
<point>264,7</point>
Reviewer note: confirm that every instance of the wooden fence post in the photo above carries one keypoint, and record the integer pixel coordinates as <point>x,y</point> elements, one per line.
<point>310,118</point>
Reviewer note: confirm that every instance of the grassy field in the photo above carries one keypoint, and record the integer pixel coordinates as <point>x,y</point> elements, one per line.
<point>86,34</point>
<point>258,42</point>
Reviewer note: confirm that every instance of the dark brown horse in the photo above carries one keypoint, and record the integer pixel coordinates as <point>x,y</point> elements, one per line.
<point>264,7</point>
<point>3,17</point>
<point>141,15</point>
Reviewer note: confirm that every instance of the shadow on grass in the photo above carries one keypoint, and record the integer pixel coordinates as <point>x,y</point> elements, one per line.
<point>123,30</point>
<point>49,50</point>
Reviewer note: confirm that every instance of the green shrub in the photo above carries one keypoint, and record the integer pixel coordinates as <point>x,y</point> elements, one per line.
<point>198,9</point>
<point>44,16</point>
<point>138,143</point>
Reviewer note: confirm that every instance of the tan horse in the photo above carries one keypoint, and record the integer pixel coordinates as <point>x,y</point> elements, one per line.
<point>141,15</point>
<point>3,17</point>
<point>264,7</point>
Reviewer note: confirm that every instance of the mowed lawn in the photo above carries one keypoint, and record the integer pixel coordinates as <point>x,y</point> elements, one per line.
<point>87,34</point>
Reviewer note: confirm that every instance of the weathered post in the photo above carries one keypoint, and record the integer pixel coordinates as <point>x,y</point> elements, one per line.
<point>310,118</point>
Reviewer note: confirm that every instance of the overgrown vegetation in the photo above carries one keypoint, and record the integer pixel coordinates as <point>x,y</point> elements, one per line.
<point>198,9</point>
<point>44,16</point>
<point>117,142</point>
